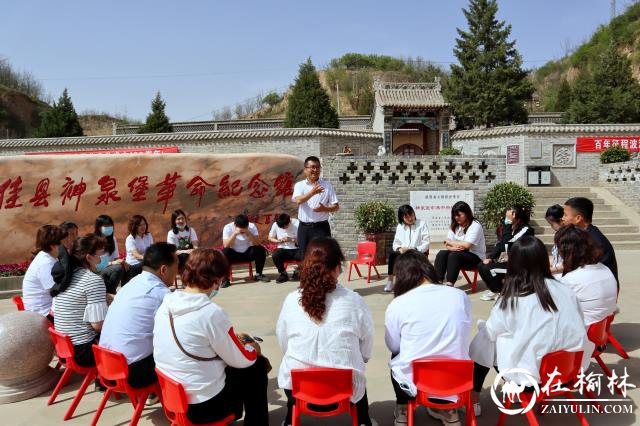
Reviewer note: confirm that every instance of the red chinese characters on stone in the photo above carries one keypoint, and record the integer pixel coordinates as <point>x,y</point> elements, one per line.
<point>257,186</point>
<point>14,186</point>
<point>284,185</point>
<point>108,189</point>
<point>166,189</point>
<point>198,186</point>
<point>70,189</point>
<point>41,194</point>
<point>138,187</point>
<point>225,189</point>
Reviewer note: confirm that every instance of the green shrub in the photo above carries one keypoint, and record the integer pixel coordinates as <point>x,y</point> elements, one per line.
<point>502,196</point>
<point>615,154</point>
<point>374,217</point>
<point>450,151</point>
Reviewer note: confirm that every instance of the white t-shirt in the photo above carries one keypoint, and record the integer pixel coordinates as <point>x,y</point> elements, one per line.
<point>137,243</point>
<point>305,210</point>
<point>596,289</point>
<point>183,238</point>
<point>242,242</point>
<point>521,337</point>
<point>344,338</point>
<point>474,235</point>
<point>291,232</point>
<point>116,253</point>
<point>431,320</point>
<point>37,282</point>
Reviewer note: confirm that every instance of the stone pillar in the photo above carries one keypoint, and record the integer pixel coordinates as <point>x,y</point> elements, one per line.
<point>25,354</point>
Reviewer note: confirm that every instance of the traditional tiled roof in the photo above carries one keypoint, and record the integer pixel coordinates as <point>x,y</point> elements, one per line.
<point>172,138</point>
<point>409,95</point>
<point>547,128</point>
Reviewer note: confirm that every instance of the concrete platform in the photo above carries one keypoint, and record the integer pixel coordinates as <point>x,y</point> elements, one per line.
<point>254,308</point>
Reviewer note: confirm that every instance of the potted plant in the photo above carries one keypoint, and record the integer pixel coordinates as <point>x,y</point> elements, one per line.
<point>614,154</point>
<point>375,220</point>
<point>499,198</point>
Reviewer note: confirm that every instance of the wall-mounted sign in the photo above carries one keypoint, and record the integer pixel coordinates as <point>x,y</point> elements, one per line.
<point>434,207</point>
<point>600,143</point>
<point>513,154</point>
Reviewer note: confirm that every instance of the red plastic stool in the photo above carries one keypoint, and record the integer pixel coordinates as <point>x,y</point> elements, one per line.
<point>475,278</point>
<point>249,265</point>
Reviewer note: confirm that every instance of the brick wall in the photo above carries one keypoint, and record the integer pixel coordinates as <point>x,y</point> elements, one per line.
<point>623,180</point>
<point>355,185</point>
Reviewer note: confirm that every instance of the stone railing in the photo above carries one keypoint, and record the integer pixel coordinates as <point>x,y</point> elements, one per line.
<point>359,122</point>
<point>545,117</point>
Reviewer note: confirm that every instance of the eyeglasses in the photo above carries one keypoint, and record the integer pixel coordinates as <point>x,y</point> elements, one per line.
<point>312,167</point>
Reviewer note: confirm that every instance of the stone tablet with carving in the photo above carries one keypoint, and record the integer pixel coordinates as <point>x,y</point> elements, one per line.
<point>212,189</point>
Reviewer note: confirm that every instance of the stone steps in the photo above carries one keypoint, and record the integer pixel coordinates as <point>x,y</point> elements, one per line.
<point>605,229</point>
<point>598,209</point>
<point>599,221</point>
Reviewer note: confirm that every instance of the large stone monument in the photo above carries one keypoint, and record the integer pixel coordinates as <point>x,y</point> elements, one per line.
<point>26,351</point>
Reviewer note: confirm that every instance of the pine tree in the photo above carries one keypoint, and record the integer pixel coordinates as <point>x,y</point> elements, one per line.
<point>563,98</point>
<point>157,120</point>
<point>488,87</point>
<point>309,104</point>
<point>609,94</point>
<point>60,121</point>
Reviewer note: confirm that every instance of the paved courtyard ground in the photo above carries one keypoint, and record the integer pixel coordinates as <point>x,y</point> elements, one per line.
<point>254,308</point>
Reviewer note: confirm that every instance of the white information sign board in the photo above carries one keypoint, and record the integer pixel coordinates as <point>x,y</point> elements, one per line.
<point>434,207</point>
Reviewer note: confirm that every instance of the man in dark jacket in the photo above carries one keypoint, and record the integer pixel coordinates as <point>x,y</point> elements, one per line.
<point>579,211</point>
<point>63,268</point>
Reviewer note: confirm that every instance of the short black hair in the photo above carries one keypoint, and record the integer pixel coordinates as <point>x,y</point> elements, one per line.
<point>283,220</point>
<point>555,213</point>
<point>583,206</point>
<point>159,254</point>
<point>241,221</point>
<point>67,225</point>
<point>311,158</point>
<point>520,213</point>
<point>403,211</point>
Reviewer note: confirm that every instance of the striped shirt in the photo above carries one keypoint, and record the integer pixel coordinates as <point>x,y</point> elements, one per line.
<point>82,303</point>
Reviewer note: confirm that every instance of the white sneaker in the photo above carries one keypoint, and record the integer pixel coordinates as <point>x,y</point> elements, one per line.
<point>389,287</point>
<point>488,295</point>
<point>477,409</point>
<point>152,399</point>
<point>400,415</point>
<point>447,417</point>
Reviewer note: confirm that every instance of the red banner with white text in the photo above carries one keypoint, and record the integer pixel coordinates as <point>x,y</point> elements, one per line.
<point>599,144</point>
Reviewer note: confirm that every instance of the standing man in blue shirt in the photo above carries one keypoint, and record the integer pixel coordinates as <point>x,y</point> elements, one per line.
<point>128,326</point>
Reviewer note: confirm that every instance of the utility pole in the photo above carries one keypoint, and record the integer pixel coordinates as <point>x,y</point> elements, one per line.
<point>338,97</point>
<point>613,9</point>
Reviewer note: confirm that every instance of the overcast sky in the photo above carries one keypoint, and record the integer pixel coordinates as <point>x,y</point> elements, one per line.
<point>202,55</point>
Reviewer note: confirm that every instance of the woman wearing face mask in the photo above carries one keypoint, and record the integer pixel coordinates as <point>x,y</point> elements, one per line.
<point>194,343</point>
<point>81,305</point>
<point>115,270</point>
<point>38,279</point>
<point>182,236</point>
<point>516,226</point>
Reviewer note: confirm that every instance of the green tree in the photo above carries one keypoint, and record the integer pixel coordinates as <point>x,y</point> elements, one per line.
<point>309,104</point>
<point>157,120</point>
<point>609,94</point>
<point>60,121</point>
<point>272,99</point>
<point>563,98</point>
<point>489,86</point>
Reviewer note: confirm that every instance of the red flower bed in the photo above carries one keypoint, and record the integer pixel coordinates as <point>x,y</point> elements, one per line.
<point>13,269</point>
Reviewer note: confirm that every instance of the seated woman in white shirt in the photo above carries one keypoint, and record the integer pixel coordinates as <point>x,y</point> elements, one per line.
<point>284,232</point>
<point>411,234</point>
<point>465,245</point>
<point>195,344</point>
<point>323,324</point>
<point>136,243</point>
<point>114,272</point>
<point>426,319</point>
<point>81,305</point>
<point>553,216</point>
<point>594,283</point>
<point>182,236</point>
<point>38,279</point>
<point>535,315</point>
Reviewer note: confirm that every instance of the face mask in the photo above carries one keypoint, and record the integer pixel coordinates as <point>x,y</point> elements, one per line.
<point>213,293</point>
<point>107,231</point>
<point>104,262</point>
<point>507,221</point>
<point>182,226</point>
